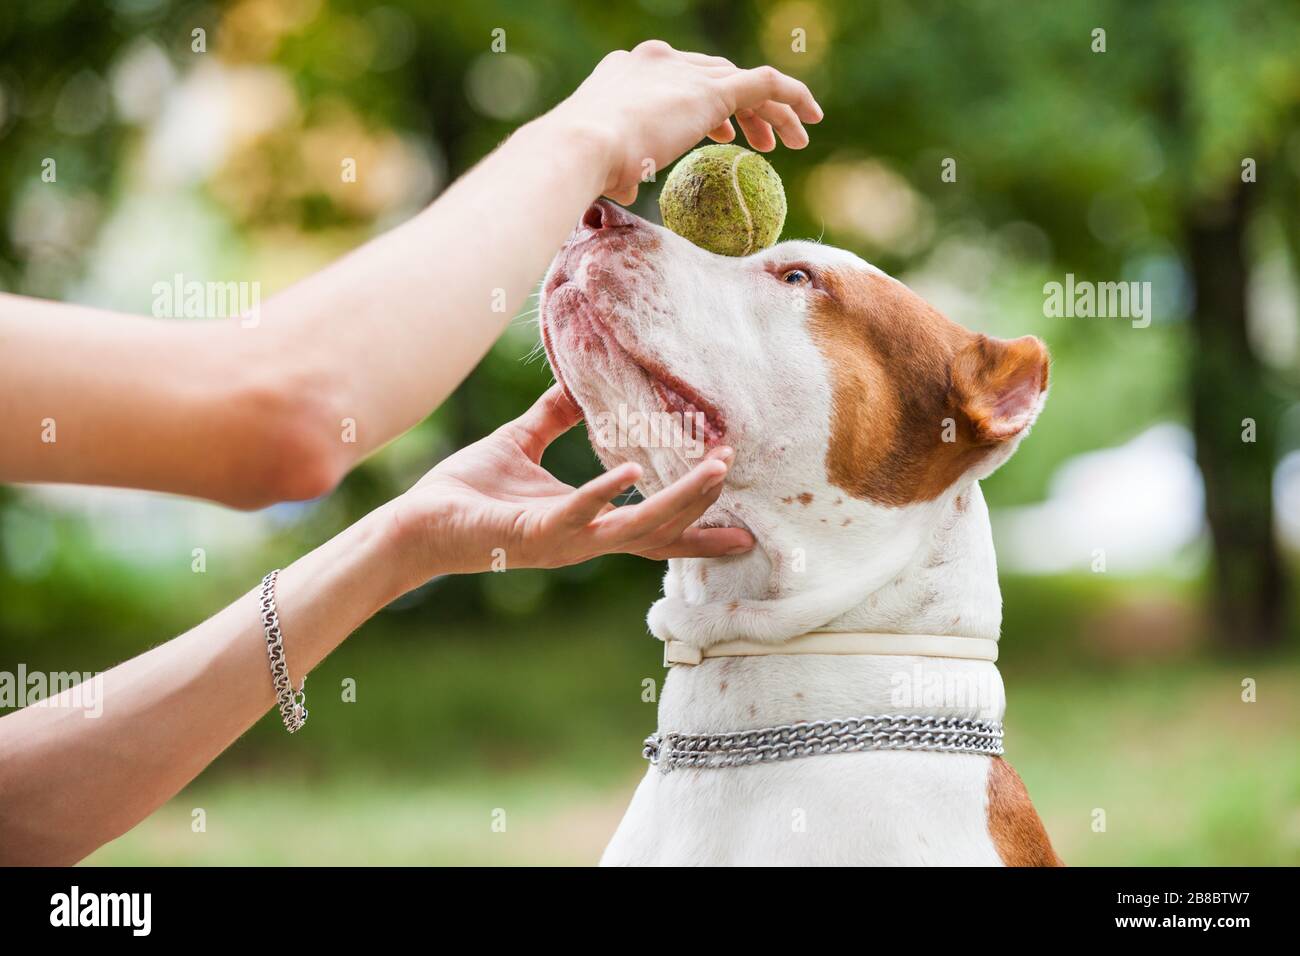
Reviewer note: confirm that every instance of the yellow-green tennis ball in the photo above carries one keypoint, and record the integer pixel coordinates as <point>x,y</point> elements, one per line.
<point>725,199</point>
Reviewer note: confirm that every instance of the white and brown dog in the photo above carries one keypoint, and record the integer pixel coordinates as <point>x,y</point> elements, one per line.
<point>862,422</point>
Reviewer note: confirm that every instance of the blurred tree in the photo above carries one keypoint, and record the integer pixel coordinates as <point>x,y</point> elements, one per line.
<point>1117,152</point>
<point>1116,128</point>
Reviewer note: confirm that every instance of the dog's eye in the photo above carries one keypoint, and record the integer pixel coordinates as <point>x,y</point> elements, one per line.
<point>796,277</point>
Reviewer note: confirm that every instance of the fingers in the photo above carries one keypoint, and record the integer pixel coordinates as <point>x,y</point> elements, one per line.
<point>750,89</point>
<point>769,104</point>
<point>768,98</point>
<point>757,131</point>
<point>760,122</point>
<point>704,543</point>
<point>589,502</point>
<point>659,528</point>
<point>724,133</point>
<point>673,528</point>
<point>625,197</point>
<point>783,119</point>
<point>550,417</point>
<point>689,496</point>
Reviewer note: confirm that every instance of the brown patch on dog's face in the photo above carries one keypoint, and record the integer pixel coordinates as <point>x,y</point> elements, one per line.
<point>904,379</point>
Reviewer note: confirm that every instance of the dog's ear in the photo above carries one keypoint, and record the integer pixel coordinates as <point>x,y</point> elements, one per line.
<point>998,385</point>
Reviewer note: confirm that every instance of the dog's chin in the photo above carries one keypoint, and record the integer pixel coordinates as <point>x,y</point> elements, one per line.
<point>616,439</point>
<point>621,373</point>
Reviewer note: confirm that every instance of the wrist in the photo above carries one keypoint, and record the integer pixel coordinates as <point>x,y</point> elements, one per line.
<point>584,149</point>
<point>394,552</point>
<point>332,590</point>
<point>408,531</point>
<point>363,561</point>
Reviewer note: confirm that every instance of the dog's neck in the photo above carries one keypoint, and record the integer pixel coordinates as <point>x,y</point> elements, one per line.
<point>926,569</point>
<point>949,583</point>
<point>943,582</point>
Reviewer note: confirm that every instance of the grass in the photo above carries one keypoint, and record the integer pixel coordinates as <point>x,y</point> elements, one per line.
<point>535,723</point>
<point>1184,771</point>
<point>517,820</point>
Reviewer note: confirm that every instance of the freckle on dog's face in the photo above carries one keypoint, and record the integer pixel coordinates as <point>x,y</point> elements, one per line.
<point>820,370</point>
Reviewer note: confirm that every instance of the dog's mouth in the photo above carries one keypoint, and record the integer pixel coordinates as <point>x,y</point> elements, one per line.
<point>587,332</point>
<point>677,398</point>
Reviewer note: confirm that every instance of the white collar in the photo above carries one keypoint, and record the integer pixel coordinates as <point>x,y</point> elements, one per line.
<point>841,642</point>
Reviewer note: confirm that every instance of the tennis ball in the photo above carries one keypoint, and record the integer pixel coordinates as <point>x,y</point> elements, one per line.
<point>725,199</point>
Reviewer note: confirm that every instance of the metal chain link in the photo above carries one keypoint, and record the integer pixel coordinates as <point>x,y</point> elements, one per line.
<point>814,738</point>
<point>293,707</point>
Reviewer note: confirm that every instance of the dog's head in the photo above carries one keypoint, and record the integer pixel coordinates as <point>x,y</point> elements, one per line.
<point>852,405</point>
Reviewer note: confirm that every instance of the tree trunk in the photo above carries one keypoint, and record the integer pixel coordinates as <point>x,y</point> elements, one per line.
<point>1227,389</point>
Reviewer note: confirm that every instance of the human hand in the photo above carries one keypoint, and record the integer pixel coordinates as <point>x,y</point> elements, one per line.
<point>654,103</point>
<point>493,500</point>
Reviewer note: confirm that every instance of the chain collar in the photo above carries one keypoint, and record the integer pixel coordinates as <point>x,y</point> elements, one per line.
<point>813,738</point>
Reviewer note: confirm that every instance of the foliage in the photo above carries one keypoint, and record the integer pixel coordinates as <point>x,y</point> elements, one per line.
<point>1065,160</point>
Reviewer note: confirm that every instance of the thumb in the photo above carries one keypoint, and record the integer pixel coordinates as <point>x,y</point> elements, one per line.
<point>624,197</point>
<point>550,417</point>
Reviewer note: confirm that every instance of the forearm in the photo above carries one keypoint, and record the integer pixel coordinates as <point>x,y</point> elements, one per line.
<point>73,777</point>
<point>332,368</point>
<point>202,407</point>
<point>250,413</point>
<point>70,782</point>
<point>399,323</point>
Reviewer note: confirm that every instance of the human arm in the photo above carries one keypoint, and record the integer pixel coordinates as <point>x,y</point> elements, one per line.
<point>70,783</point>
<point>251,412</point>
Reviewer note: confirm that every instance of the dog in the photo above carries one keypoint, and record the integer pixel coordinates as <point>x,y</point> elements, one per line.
<point>862,421</point>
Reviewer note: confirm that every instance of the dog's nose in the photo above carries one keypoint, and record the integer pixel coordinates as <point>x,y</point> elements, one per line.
<point>603,214</point>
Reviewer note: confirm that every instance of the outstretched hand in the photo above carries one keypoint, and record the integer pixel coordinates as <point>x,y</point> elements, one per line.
<point>493,501</point>
<point>652,104</point>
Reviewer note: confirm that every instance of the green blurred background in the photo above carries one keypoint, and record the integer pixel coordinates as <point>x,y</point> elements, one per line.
<point>1148,551</point>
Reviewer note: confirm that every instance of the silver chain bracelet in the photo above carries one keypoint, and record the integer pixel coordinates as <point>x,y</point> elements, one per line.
<point>293,707</point>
